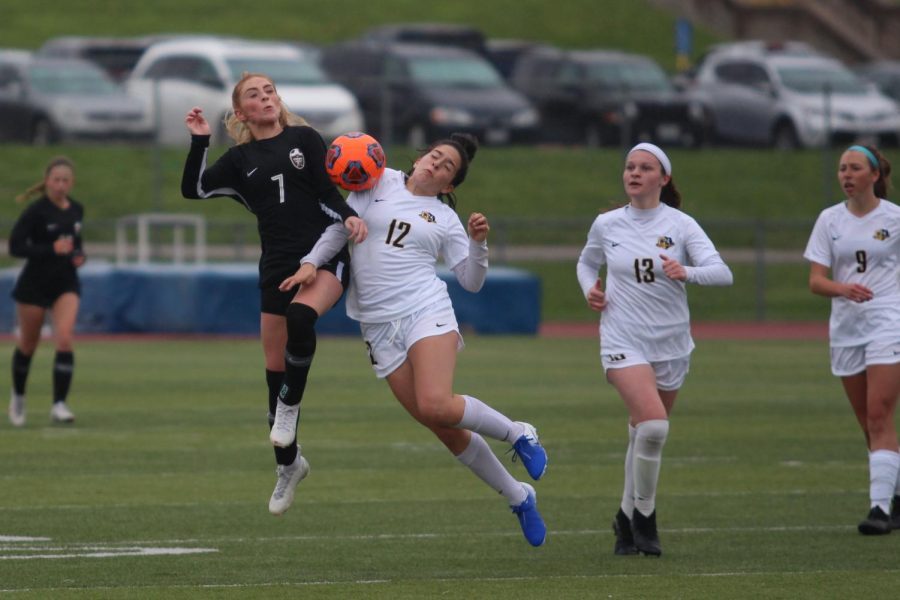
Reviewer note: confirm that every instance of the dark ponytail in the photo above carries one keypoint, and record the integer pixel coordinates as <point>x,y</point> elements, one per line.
<point>670,194</point>
<point>883,183</point>
<point>467,146</point>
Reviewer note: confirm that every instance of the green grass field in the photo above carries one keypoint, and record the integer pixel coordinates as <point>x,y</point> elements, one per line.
<point>763,481</point>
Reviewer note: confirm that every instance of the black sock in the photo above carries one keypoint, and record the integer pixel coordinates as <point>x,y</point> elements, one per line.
<point>21,365</point>
<point>298,355</point>
<point>63,367</point>
<point>274,379</point>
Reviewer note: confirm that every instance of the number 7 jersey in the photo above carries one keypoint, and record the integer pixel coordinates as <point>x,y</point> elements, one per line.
<point>645,308</point>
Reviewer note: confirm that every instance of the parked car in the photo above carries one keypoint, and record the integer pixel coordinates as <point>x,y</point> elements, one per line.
<point>415,93</point>
<point>885,74</point>
<point>202,71</point>
<point>115,55</point>
<point>505,53</point>
<point>772,94</point>
<point>606,97</point>
<point>47,100</point>
<point>434,34</point>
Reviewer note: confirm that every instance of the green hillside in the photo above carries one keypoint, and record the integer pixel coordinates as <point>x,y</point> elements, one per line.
<point>625,24</point>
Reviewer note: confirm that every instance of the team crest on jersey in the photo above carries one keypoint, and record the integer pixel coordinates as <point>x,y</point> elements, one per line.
<point>664,242</point>
<point>297,158</point>
<point>882,234</point>
<point>78,227</point>
<point>427,216</point>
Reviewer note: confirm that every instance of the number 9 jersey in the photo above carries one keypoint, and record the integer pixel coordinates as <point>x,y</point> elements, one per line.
<point>863,250</point>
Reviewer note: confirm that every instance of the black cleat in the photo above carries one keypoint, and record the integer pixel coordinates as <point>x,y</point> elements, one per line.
<point>895,513</point>
<point>624,540</point>
<point>646,538</point>
<point>877,523</point>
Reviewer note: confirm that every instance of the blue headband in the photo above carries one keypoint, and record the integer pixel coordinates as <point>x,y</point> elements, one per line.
<point>868,154</point>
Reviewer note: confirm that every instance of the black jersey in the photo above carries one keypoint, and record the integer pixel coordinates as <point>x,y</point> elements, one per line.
<point>282,180</point>
<point>32,237</point>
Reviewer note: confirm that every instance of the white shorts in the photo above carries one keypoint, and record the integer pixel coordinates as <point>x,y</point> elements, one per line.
<point>389,343</point>
<point>670,374</point>
<point>852,360</point>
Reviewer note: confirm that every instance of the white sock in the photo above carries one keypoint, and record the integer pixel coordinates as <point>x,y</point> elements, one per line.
<point>897,486</point>
<point>883,468</point>
<point>628,489</point>
<point>483,419</point>
<point>649,439</point>
<point>479,458</point>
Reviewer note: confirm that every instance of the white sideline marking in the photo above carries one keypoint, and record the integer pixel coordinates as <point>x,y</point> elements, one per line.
<point>326,582</point>
<point>14,551</point>
<point>470,534</point>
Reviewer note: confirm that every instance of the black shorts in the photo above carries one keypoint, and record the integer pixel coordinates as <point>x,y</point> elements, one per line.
<point>44,291</point>
<point>275,302</point>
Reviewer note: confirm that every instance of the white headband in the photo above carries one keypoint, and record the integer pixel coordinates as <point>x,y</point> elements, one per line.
<point>657,152</point>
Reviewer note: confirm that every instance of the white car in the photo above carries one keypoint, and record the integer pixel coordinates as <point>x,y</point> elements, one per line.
<point>177,74</point>
<point>48,100</point>
<point>779,96</point>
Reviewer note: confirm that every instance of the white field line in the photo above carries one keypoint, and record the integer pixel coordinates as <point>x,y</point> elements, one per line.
<point>359,501</point>
<point>303,584</point>
<point>134,544</point>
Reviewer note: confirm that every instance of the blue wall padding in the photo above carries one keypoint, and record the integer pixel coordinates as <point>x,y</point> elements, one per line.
<point>224,299</point>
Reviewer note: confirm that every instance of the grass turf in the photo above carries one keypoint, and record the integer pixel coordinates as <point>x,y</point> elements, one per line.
<point>764,478</point>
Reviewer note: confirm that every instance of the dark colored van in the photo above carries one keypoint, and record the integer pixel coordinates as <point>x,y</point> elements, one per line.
<point>416,93</point>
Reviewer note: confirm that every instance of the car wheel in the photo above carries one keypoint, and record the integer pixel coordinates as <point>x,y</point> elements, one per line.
<point>785,137</point>
<point>416,137</point>
<point>42,133</point>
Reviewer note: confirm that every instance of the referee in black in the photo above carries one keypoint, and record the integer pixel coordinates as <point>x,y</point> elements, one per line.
<point>48,236</point>
<point>276,170</point>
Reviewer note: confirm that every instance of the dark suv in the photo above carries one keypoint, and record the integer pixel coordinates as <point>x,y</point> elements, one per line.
<point>605,97</point>
<point>415,93</point>
<point>433,34</point>
<point>115,55</point>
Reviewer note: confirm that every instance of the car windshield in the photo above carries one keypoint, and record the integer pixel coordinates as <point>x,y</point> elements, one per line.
<point>282,71</point>
<point>628,76</point>
<point>812,80</point>
<point>453,71</point>
<point>71,79</point>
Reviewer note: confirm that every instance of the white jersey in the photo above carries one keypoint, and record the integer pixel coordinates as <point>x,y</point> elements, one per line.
<point>863,250</point>
<point>645,308</point>
<point>394,269</point>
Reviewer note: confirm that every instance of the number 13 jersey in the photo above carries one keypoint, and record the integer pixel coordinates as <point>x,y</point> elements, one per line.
<point>645,309</point>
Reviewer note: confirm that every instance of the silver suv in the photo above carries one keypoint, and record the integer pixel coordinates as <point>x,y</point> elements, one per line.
<point>788,97</point>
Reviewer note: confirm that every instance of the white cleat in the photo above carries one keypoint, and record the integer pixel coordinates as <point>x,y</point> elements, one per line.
<point>60,413</point>
<point>288,478</point>
<point>17,409</point>
<point>284,429</point>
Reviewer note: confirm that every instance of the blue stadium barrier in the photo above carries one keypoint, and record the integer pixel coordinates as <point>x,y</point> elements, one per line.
<point>224,299</point>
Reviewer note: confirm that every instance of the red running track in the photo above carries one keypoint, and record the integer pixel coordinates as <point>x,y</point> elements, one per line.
<point>768,330</point>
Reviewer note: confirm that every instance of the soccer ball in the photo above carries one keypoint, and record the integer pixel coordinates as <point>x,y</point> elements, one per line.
<point>355,161</point>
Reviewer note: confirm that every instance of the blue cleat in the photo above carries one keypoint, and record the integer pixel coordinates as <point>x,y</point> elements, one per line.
<point>530,519</point>
<point>528,448</point>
